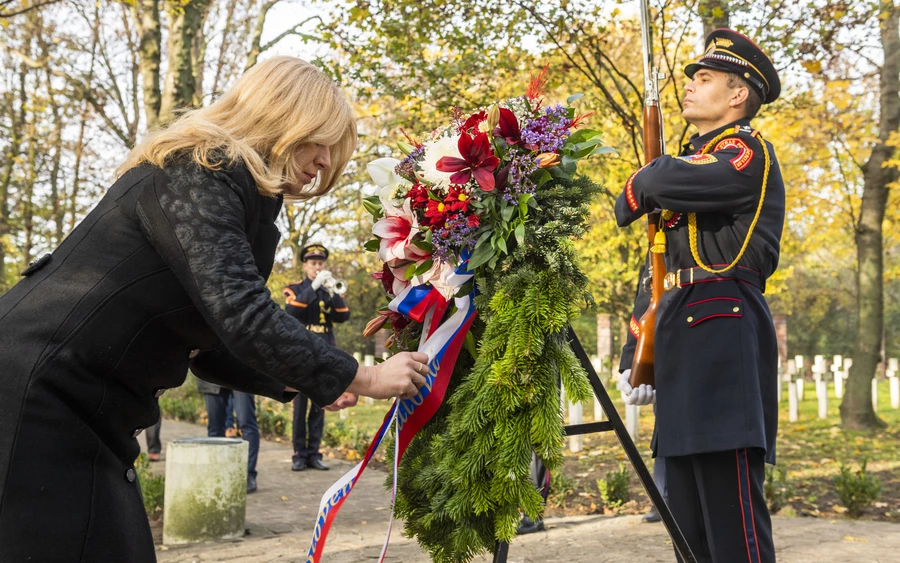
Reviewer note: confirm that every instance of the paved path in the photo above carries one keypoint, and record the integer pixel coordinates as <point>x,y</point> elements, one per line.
<point>280,516</point>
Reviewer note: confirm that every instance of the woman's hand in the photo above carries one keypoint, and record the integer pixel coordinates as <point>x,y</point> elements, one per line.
<point>400,375</point>
<point>344,401</point>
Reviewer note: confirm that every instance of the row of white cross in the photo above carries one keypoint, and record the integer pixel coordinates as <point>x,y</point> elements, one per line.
<point>790,377</point>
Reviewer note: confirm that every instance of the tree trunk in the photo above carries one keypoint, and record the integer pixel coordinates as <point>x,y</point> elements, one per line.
<point>146,16</point>
<point>715,14</point>
<point>256,37</point>
<point>226,36</point>
<point>28,191</point>
<point>185,18</point>
<point>856,408</point>
<point>56,195</point>
<point>198,57</point>
<point>16,119</point>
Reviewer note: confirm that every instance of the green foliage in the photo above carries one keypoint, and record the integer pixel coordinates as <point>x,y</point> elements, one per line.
<point>857,490</point>
<point>272,419</point>
<point>183,403</point>
<point>465,477</point>
<point>561,488</point>
<point>776,488</point>
<point>153,487</point>
<point>344,434</point>
<point>614,489</point>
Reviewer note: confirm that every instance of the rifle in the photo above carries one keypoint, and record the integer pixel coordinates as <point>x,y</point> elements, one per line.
<point>654,145</point>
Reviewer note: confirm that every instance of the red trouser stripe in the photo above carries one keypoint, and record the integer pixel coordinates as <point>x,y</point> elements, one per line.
<point>752,514</point>
<point>743,473</point>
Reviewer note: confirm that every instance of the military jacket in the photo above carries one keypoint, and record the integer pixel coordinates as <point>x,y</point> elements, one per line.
<point>167,272</point>
<point>715,347</point>
<point>317,309</point>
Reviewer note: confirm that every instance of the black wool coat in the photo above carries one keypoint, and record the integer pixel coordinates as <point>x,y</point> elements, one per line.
<point>715,350</point>
<point>166,273</point>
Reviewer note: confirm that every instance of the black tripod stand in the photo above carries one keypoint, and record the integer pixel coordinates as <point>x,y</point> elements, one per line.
<point>615,424</point>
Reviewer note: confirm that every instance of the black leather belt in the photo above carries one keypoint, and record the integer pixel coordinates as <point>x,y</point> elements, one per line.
<point>691,276</point>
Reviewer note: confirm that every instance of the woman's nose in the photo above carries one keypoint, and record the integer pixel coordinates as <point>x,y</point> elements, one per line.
<point>323,158</point>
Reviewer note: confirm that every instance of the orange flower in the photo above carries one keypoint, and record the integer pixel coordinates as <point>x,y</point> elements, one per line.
<point>548,159</point>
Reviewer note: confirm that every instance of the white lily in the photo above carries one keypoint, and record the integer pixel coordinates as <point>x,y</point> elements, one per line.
<point>383,174</point>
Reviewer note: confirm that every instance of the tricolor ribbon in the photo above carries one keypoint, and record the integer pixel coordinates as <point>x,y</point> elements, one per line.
<point>441,341</point>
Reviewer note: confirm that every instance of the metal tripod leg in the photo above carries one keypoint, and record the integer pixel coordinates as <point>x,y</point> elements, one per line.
<point>616,425</point>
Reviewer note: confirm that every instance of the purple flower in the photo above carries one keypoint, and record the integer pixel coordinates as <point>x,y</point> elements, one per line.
<point>407,167</point>
<point>457,233</point>
<point>521,167</point>
<point>549,132</point>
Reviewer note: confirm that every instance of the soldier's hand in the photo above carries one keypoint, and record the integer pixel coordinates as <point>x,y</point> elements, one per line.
<point>643,395</point>
<point>400,375</point>
<point>322,278</point>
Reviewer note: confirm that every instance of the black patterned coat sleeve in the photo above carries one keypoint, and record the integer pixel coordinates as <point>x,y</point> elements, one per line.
<point>222,368</point>
<point>197,224</point>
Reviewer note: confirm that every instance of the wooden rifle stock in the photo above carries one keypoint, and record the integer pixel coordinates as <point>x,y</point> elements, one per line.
<point>642,365</point>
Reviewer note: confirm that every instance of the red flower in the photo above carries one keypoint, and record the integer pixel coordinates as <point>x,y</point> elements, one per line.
<point>457,199</point>
<point>473,220</point>
<point>436,213</point>
<point>477,160</point>
<point>509,127</point>
<point>418,196</point>
<point>397,321</point>
<point>537,85</point>
<point>387,278</point>
<point>472,123</point>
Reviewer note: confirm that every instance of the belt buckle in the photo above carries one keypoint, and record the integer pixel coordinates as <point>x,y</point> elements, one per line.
<point>671,280</point>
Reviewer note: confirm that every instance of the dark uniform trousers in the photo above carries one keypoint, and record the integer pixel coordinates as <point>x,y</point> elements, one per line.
<point>725,488</point>
<point>318,310</point>
<point>715,348</point>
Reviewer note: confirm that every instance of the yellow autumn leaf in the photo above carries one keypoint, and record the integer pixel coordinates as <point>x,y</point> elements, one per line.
<point>812,67</point>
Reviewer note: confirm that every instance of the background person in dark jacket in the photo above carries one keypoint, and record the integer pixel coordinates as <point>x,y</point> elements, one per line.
<point>312,303</point>
<point>167,272</point>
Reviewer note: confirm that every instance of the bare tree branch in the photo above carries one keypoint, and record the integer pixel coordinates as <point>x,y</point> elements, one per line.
<point>26,9</point>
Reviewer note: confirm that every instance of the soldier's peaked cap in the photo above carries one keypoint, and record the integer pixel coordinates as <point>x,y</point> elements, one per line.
<point>729,51</point>
<point>312,251</point>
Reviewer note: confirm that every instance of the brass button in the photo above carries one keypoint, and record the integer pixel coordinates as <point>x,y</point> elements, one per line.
<point>194,353</point>
<point>736,309</point>
<point>690,319</point>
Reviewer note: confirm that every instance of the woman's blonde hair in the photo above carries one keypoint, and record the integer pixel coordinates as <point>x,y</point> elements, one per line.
<point>274,108</point>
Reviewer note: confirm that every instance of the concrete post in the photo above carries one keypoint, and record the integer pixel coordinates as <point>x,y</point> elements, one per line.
<point>793,411</point>
<point>369,360</point>
<point>206,490</point>
<point>632,415</point>
<point>576,443</point>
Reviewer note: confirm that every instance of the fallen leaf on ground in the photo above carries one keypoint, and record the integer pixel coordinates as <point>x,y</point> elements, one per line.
<point>857,540</point>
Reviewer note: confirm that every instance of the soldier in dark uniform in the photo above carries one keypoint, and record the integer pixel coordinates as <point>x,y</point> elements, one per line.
<point>715,351</point>
<point>318,307</point>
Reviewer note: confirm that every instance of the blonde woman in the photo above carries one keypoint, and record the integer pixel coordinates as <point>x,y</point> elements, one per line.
<point>167,272</point>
